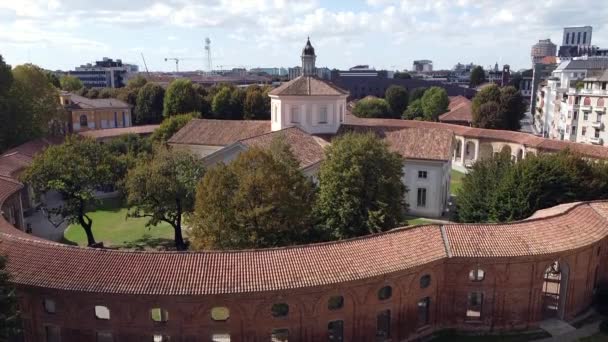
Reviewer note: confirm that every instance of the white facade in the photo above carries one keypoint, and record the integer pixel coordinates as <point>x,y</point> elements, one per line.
<point>428,184</point>
<point>313,114</point>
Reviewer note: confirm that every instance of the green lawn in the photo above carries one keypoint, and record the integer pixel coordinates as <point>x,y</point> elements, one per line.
<point>456,181</point>
<point>112,227</point>
<point>412,221</point>
<point>599,337</point>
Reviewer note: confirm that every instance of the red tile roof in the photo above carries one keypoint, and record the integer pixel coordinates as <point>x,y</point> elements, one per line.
<point>460,111</point>
<point>81,102</point>
<point>219,132</point>
<point>308,86</point>
<point>116,132</point>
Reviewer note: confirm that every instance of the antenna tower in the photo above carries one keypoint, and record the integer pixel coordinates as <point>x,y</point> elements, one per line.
<point>208,53</point>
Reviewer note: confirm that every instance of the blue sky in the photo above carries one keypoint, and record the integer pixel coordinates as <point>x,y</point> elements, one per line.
<point>61,34</point>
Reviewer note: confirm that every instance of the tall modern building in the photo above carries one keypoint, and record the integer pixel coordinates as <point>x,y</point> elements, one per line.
<point>542,49</point>
<point>106,73</point>
<point>576,42</point>
<point>423,65</point>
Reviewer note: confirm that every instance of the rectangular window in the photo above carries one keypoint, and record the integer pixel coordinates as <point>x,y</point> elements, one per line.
<point>583,131</point>
<point>574,115</point>
<point>421,199</point>
<point>124,123</point>
<point>279,335</point>
<point>323,115</point>
<point>335,331</point>
<point>567,37</point>
<point>160,338</point>
<point>597,133</point>
<point>578,38</point>
<point>342,113</point>
<point>220,338</point>
<point>52,333</point>
<point>574,130</point>
<point>567,128</point>
<point>383,325</point>
<point>585,116</point>
<point>577,100</point>
<point>104,336</point>
<point>423,311</point>
<point>474,306</point>
<point>422,174</point>
<point>584,37</point>
<point>604,85</point>
<point>115,119</point>
<point>295,114</point>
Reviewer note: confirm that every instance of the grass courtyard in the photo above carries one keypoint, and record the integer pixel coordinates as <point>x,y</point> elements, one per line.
<point>456,181</point>
<point>112,227</point>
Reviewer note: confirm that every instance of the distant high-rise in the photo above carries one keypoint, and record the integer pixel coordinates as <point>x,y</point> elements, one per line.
<point>105,73</point>
<point>423,65</point>
<point>542,49</point>
<point>577,36</point>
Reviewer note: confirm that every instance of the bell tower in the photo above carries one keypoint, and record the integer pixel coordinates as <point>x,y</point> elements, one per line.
<point>308,60</point>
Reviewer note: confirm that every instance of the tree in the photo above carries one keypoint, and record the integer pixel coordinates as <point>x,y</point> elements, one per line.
<point>149,104</point>
<point>9,311</point>
<point>6,76</point>
<point>402,75</point>
<point>416,94</point>
<point>136,82</point>
<point>75,169</point>
<point>434,102</point>
<point>171,125</point>
<point>163,189</point>
<point>360,188</point>
<point>108,93</point>
<point>127,150</point>
<point>180,98</point>
<point>237,100</point>
<point>261,199</point>
<point>70,83</point>
<point>221,105</point>
<point>372,107</point>
<point>53,79</point>
<point>414,111</point>
<point>396,97</point>
<point>498,108</point>
<point>478,76</point>
<point>254,106</point>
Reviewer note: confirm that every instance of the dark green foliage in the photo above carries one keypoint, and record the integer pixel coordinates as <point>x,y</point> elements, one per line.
<point>149,104</point>
<point>360,187</point>
<point>70,83</point>
<point>499,190</point>
<point>256,104</point>
<point>434,102</point>
<point>478,76</point>
<point>414,111</point>
<point>498,108</point>
<point>53,79</point>
<point>372,107</point>
<point>171,125</point>
<point>10,324</point>
<point>221,105</point>
<point>416,94</point>
<point>180,98</point>
<point>396,97</point>
<point>127,150</point>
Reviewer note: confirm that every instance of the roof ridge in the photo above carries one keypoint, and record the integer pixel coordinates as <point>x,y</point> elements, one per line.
<point>446,241</point>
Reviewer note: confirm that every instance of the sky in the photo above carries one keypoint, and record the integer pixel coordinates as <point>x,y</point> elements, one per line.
<point>386,34</point>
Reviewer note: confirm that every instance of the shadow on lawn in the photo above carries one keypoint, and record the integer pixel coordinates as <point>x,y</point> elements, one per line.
<point>147,242</point>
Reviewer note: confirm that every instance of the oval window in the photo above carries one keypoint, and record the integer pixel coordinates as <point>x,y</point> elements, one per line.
<point>220,313</point>
<point>280,310</point>
<point>335,303</point>
<point>385,293</point>
<point>425,281</point>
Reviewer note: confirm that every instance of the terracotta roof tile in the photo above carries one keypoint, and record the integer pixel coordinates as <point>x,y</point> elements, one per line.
<point>460,111</point>
<point>8,186</point>
<point>219,132</point>
<point>12,163</point>
<point>308,86</point>
<point>116,132</point>
<point>81,102</point>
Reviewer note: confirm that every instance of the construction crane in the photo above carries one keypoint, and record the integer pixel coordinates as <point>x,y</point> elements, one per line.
<point>145,65</point>
<point>176,63</point>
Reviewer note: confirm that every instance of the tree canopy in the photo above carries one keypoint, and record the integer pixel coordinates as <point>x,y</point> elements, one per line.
<point>149,104</point>
<point>478,76</point>
<point>372,107</point>
<point>9,312</point>
<point>434,102</point>
<point>498,108</point>
<point>414,111</point>
<point>180,98</point>
<point>75,169</point>
<point>360,188</point>
<point>256,104</point>
<point>416,94</point>
<point>396,97</point>
<point>171,125</point>
<point>162,188</point>
<point>261,199</point>
<point>70,83</point>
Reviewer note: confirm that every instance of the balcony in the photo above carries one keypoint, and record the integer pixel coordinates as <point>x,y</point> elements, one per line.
<point>592,91</point>
<point>597,124</point>
<point>596,141</point>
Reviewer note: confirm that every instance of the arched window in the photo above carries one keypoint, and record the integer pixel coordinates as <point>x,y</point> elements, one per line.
<point>280,310</point>
<point>587,101</point>
<point>83,121</point>
<point>425,281</point>
<point>385,293</point>
<point>600,102</point>
<point>477,274</point>
<point>102,312</point>
<point>220,313</point>
<point>335,302</point>
<point>159,315</point>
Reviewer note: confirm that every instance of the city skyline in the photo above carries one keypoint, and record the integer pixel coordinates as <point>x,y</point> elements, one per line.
<point>385,34</point>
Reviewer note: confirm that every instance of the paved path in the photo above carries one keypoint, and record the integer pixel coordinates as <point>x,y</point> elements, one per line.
<point>574,336</point>
<point>41,226</point>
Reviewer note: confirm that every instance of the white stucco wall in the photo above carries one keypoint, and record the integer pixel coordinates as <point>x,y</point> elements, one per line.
<point>309,108</point>
<point>437,186</point>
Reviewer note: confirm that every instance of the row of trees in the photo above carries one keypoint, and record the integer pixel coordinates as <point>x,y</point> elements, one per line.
<point>419,104</point>
<point>498,108</point>
<point>500,190</point>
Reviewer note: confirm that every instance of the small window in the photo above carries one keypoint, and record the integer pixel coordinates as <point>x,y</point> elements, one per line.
<point>220,313</point>
<point>341,113</point>
<point>49,306</point>
<point>323,115</point>
<point>474,306</point>
<point>159,315</point>
<point>335,303</point>
<point>385,293</point>
<point>161,338</point>
<point>83,121</point>
<point>104,336</point>
<point>52,333</point>
<point>102,312</point>
<point>335,331</point>
<point>280,310</point>
<point>383,325</point>
<point>220,338</point>
<point>279,335</point>
<point>421,199</point>
<point>295,114</point>
<point>425,281</point>
<point>276,112</point>
<point>423,311</point>
<point>422,174</point>
<point>477,274</point>
<point>583,130</point>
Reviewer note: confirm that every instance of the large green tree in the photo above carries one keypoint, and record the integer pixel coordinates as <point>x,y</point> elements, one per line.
<point>261,199</point>
<point>75,169</point>
<point>402,75</point>
<point>434,102</point>
<point>372,107</point>
<point>478,76</point>
<point>254,106</point>
<point>10,325</point>
<point>163,189</point>
<point>70,83</point>
<point>360,187</point>
<point>180,98</point>
<point>396,96</point>
<point>417,94</point>
<point>53,79</point>
<point>498,108</point>
<point>149,104</point>
<point>171,125</point>
<point>414,111</point>
<point>221,105</point>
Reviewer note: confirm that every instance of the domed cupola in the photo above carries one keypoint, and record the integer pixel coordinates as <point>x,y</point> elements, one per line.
<point>308,60</point>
